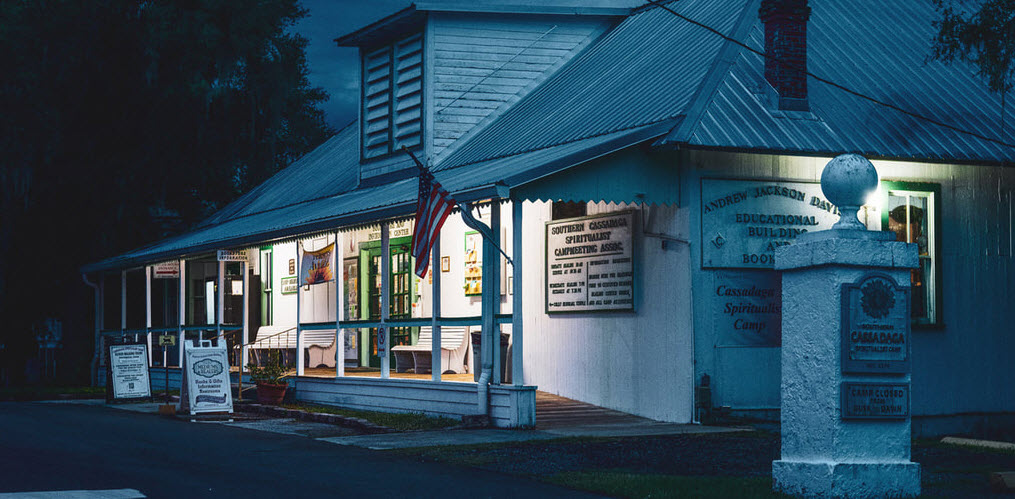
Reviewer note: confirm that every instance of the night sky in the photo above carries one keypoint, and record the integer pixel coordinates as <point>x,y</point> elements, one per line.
<point>335,68</point>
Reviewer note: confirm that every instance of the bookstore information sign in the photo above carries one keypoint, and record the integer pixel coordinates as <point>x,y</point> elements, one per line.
<point>875,326</point>
<point>743,221</point>
<point>589,264</point>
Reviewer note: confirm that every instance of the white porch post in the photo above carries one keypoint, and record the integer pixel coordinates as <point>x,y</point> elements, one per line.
<point>220,299</point>
<point>495,287</point>
<point>299,318</point>
<point>383,338</point>
<point>517,373</point>
<point>435,302</point>
<point>148,309</point>
<point>123,302</point>
<point>182,318</point>
<point>339,304</point>
<point>244,349</point>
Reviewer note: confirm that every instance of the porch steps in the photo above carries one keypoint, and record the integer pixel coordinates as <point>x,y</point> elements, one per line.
<point>554,411</point>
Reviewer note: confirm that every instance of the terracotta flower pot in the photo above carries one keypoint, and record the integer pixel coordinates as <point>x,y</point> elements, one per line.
<point>270,393</point>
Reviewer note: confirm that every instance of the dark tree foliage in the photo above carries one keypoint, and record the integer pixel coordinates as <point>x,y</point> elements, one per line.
<point>982,33</point>
<point>122,121</point>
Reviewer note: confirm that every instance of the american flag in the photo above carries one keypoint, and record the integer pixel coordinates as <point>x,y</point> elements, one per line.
<point>432,208</point>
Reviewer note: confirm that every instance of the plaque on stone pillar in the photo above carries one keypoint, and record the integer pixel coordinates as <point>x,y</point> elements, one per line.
<point>875,400</point>
<point>875,326</point>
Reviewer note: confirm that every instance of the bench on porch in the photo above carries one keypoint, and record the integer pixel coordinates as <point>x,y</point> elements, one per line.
<point>320,343</point>
<point>418,358</point>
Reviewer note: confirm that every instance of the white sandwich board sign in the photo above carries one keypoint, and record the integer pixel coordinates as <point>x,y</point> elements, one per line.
<point>128,371</point>
<point>206,385</point>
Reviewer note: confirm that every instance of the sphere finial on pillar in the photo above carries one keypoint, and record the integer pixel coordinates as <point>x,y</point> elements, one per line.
<point>846,181</point>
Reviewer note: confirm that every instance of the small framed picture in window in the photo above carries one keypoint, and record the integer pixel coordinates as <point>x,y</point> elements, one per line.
<point>445,264</point>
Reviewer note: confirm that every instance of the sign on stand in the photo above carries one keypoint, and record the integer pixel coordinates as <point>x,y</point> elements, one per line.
<point>875,326</point>
<point>128,372</point>
<point>206,386</point>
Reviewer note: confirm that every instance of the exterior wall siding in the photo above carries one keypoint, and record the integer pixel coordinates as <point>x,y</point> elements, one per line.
<point>960,368</point>
<point>483,63</point>
<point>638,362</point>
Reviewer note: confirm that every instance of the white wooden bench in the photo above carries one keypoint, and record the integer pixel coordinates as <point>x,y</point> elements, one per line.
<point>320,343</point>
<point>418,358</point>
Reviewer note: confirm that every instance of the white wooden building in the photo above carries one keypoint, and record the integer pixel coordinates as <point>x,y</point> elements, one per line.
<point>675,132</point>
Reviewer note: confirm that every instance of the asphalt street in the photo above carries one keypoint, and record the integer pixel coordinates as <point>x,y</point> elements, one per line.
<point>60,447</point>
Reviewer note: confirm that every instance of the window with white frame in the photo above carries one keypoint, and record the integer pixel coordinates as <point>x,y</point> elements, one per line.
<point>392,97</point>
<point>910,210</point>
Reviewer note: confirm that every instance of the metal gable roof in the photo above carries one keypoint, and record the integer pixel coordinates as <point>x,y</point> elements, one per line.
<point>644,71</point>
<point>883,54</point>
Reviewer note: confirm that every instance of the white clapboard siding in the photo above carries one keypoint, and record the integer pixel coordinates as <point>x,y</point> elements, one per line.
<point>483,64</point>
<point>637,362</point>
<point>962,367</point>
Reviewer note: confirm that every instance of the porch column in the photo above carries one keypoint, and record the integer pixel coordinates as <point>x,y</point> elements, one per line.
<point>148,309</point>
<point>494,287</point>
<point>244,349</point>
<point>220,299</point>
<point>517,373</point>
<point>383,338</point>
<point>182,317</point>
<point>435,307</point>
<point>123,302</point>
<point>299,318</point>
<point>339,304</point>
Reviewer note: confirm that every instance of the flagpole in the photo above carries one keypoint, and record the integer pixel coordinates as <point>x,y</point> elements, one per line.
<point>466,213</point>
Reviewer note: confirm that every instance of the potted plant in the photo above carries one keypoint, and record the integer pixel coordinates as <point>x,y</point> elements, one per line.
<point>270,380</point>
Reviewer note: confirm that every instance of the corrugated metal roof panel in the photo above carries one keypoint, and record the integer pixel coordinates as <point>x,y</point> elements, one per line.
<point>878,51</point>
<point>644,71</point>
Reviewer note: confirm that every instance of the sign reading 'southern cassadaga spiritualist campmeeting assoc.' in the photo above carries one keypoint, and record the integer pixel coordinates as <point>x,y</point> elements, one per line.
<point>875,326</point>
<point>128,370</point>
<point>589,263</point>
<point>743,221</point>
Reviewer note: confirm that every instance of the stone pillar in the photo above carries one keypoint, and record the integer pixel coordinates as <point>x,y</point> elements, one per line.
<point>845,353</point>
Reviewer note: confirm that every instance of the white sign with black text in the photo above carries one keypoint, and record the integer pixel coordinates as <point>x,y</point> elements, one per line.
<point>590,264</point>
<point>207,379</point>
<point>129,369</point>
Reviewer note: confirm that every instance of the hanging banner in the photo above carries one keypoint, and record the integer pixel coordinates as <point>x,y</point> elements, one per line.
<point>316,266</point>
<point>128,371</point>
<point>206,380</point>
<point>590,264</point>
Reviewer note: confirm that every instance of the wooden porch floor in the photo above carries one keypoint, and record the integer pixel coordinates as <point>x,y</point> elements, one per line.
<point>552,411</point>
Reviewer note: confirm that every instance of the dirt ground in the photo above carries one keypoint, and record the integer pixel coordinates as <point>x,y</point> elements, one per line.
<point>947,471</point>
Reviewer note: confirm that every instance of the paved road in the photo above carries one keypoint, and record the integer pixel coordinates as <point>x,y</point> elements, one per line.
<point>46,447</point>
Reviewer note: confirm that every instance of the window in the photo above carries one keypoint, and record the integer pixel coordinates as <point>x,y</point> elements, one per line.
<point>911,211</point>
<point>392,99</point>
<point>266,280</point>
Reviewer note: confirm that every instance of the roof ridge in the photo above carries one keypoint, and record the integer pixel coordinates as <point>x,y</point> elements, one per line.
<point>721,69</point>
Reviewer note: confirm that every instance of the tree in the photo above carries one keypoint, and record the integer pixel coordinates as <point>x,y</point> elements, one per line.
<point>124,120</point>
<point>984,36</point>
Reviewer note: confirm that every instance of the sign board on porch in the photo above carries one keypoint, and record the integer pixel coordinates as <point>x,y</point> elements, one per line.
<point>590,264</point>
<point>206,385</point>
<point>875,326</point>
<point>167,340</point>
<point>289,285</point>
<point>128,371</point>
<point>743,221</point>
<point>232,256</point>
<point>166,270</point>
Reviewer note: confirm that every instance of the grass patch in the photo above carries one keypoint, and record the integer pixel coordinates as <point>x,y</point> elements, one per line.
<point>397,421</point>
<point>923,442</point>
<point>638,486</point>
